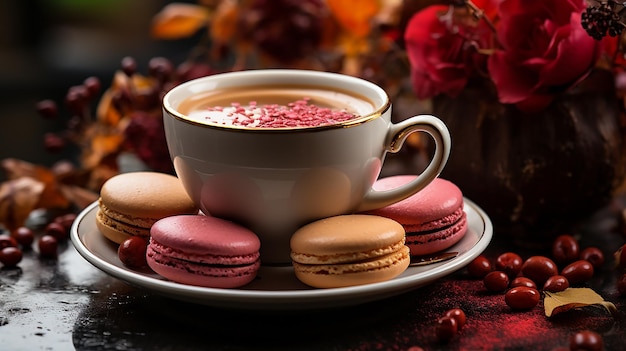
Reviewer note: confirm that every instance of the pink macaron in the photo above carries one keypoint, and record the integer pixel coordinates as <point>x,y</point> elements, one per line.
<point>433,219</point>
<point>203,251</point>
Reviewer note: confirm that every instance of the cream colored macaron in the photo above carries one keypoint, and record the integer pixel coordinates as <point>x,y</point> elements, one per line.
<point>130,203</point>
<point>349,250</point>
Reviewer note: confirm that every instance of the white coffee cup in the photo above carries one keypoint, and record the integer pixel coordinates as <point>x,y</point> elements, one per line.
<point>274,180</point>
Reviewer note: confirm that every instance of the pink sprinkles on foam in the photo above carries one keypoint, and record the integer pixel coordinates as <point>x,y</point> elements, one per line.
<point>295,114</point>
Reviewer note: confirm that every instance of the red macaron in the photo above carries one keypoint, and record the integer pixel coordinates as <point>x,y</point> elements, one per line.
<point>203,251</point>
<point>433,218</point>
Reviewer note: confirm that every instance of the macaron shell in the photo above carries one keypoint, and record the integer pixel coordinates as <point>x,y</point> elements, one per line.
<point>346,238</point>
<point>141,198</point>
<point>190,273</point>
<point>205,235</point>
<point>429,243</point>
<point>437,200</point>
<point>350,274</point>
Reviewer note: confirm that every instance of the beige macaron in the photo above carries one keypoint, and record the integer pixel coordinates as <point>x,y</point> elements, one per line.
<point>130,203</point>
<point>349,250</point>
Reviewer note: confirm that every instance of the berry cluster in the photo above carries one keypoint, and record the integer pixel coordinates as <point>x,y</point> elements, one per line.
<point>128,114</point>
<point>523,280</point>
<point>13,245</point>
<point>602,19</point>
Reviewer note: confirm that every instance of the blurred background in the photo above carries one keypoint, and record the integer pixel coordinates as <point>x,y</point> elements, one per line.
<point>46,46</point>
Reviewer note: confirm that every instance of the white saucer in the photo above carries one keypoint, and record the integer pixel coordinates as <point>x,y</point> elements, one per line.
<point>276,288</point>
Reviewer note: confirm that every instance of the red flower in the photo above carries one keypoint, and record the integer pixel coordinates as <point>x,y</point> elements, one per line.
<point>442,49</point>
<point>545,50</point>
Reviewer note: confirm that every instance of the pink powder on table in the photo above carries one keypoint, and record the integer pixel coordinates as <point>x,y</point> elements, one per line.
<point>300,113</point>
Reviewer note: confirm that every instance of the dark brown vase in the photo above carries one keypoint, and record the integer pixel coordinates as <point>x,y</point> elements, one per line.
<point>537,173</point>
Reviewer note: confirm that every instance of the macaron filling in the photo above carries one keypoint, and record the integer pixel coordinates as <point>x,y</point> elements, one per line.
<point>160,250</point>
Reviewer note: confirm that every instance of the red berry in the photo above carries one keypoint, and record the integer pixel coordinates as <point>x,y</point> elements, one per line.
<point>586,340</point>
<point>523,281</point>
<point>7,241</point>
<point>93,86</point>
<point>539,269</point>
<point>47,109</point>
<point>24,236</point>
<point>129,65</point>
<point>66,221</point>
<point>578,272</point>
<point>479,267</point>
<point>57,230</point>
<point>53,142</point>
<point>132,252</point>
<point>446,328</point>
<point>496,281</point>
<point>593,255</point>
<point>556,283</point>
<point>458,315</point>
<point>565,249</point>
<point>48,246</point>
<point>10,256</point>
<point>522,298</point>
<point>510,263</point>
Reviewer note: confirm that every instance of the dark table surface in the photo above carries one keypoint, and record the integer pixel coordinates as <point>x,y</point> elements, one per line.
<point>66,303</point>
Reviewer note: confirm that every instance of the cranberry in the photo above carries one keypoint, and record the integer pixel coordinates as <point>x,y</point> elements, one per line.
<point>48,246</point>
<point>66,221</point>
<point>586,340</point>
<point>446,328</point>
<point>56,230</point>
<point>578,272</point>
<point>556,283</point>
<point>7,241</point>
<point>10,256</point>
<point>522,298</point>
<point>24,236</point>
<point>47,109</point>
<point>523,281</point>
<point>479,267</point>
<point>539,269</point>
<point>593,255</point>
<point>458,315</point>
<point>132,252</point>
<point>496,281</point>
<point>621,285</point>
<point>510,263</point>
<point>565,249</point>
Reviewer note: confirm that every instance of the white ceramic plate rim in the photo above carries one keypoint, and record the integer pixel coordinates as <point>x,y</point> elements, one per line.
<point>473,244</point>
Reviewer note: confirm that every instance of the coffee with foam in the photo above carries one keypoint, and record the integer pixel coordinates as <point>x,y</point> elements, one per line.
<point>275,107</point>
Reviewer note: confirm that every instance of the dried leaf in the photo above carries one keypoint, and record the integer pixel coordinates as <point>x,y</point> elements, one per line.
<point>224,23</point>
<point>563,301</point>
<point>179,20</point>
<point>50,196</point>
<point>15,169</point>
<point>80,197</point>
<point>102,146</point>
<point>18,197</point>
<point>356,20</point>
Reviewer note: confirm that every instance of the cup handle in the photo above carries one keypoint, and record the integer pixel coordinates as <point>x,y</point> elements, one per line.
<point>396,136</point>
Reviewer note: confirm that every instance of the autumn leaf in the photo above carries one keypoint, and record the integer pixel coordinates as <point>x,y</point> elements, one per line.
<point>563,301</point>
<point>179,20</point>
<point>50,196</point>
<point>18,198</point>
<point>354,19</point>
<point>224,23</point>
